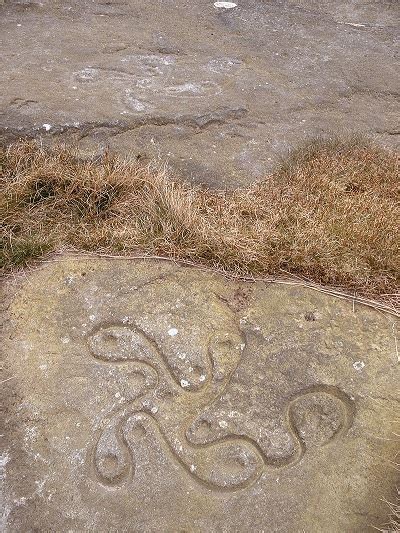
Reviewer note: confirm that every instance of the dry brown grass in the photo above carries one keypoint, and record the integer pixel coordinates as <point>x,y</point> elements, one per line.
<point>329,214</point>
<point>393,526</point>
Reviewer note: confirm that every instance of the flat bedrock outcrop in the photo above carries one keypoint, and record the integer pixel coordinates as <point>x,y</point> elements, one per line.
<point>219,93</point>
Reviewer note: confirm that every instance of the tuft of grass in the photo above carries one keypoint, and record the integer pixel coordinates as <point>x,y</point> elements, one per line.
<point>329,213</point>
<point>394,525</point>
<point>21,252</point>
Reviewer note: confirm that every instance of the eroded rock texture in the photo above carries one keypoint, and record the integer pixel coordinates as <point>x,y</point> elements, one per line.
<point>219,93</point>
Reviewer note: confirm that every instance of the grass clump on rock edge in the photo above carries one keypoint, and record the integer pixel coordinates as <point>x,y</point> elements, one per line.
<point>328,214</point>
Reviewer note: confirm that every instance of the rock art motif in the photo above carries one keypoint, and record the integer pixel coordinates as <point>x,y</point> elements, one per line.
<point>143,393</point>
<point>225,458</point>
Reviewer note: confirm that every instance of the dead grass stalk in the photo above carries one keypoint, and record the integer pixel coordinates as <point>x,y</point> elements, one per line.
<point>328,215</point>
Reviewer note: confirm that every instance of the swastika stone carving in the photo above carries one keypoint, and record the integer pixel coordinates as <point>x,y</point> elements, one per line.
<point>145,396</point>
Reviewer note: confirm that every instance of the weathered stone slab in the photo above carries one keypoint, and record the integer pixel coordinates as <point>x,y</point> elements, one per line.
<point>144,396</point>
<point>220,93</point>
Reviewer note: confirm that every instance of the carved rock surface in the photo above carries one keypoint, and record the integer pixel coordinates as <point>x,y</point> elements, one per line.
<point>146,396</point>
<point>220,93</point>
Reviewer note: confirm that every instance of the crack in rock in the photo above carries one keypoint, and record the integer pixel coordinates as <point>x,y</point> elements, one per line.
<point>200,121</point>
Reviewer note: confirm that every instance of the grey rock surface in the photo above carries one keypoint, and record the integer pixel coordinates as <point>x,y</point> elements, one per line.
<point>144,396</point>
<point>219,93</point>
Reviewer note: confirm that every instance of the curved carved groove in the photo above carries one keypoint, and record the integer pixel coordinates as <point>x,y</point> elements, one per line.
<point>229,465</point>
<point>332,390</point>
<point>326,414</point>
<point>116,343</point>
<point>224,354</point>
<point>313,417</point>
<point>339,419</point>
<point>111,458</point>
